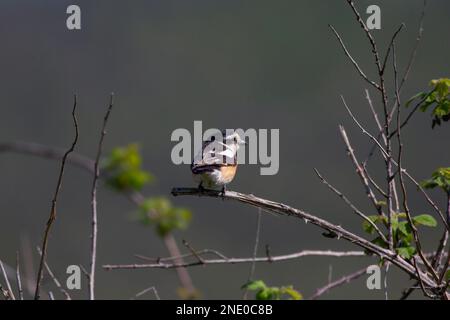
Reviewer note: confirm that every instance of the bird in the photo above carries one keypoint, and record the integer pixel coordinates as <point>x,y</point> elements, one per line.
<point>216,164</point>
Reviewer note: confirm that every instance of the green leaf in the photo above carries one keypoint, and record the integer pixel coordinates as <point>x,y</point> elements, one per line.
<point>380,242</point>
<point>447,275</point>
<point>265,294</point>
<point>437,97</point>
<point>404,228</point>
<point>294,294</point>
<point>367,227</point>
<point>439,178</point>
<point>255,285</point>
<point>425,220</point>
<point>420,95</point>
<point>123,168</point>
<point>271,293</point>
<point>406,252</point>
<point>160,212</point>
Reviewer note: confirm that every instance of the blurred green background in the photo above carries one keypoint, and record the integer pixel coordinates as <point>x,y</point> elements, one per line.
<point>231,64</point>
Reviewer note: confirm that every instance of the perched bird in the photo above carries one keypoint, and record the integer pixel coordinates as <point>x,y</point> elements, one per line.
<point>216,164</point>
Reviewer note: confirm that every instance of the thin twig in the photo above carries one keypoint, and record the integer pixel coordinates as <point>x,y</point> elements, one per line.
<point>350,204</point>
<point>353,61</point>
<point>55,280</point>
<point>141,293</point>
<point>404,78</point>
<point>54,201</point>
<point>8,284</point>
<point>337,283</point>
<point>416,46</point>
<point>373,183</point>
<point>255,252</point>
<point>390,46</point>
<point>199,253</point>
<point>94,201</point>
<point>369,192</point>
<point>382,133</point>
<point>402,183</point>
<point>292,256</point>
<point>405,172</point>
<point>194,253</point>
<point>421,282</point>
<point>18,278</point>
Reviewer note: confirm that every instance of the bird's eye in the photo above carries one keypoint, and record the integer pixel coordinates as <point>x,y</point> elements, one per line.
<point>235,140</point>
<point>213,138</point>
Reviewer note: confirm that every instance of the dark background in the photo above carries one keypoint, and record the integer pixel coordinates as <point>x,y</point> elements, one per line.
<point>231,64</point>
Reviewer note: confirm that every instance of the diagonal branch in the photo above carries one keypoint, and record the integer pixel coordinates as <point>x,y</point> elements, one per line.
<point>55,280</point>
<point>8,284</point>
<point>337,283</point>
<point>94,201</point>
<point>52,217</point>
<point>353,61</point>
<point>351,205</point>
<point>282,209</point>
<point>360,172</point>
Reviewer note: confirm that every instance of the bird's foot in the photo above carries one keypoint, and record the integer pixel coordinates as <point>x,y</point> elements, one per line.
<point>222,193</point>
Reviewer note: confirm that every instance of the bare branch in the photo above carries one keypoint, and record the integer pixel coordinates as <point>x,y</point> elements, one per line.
<point>282,209</point>
<point>8,284</point>
<point>390,46</point>
<point>46,152</point>
<point>402,184</point>
<point>54,201</point>
<point>422,285</point>
<point>406,173</point>
<point>353,61</point>
<point>360,172</point>
<point>141,293</point>
<point>337,283</point>
<point>255,252</point>
<point>94,201</point>
<point>200,253</point>
<point>55,280</point>
<point>373,183</point>
<point>18,279</point>
<point>162,264</point>
<point>350,204</point>
<point>414,51</point>
<point>194,253</point>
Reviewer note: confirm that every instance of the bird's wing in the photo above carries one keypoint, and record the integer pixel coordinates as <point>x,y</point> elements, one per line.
<point>212,156</point>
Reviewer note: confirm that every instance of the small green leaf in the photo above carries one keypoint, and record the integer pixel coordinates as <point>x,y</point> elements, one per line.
<point>294,294</point>
<point>166,218</point>
<point>406,252</point>
<point>418,95</point>
<point>265,294</point>
<point>447,275</point>
<point>367,227</point>
<point>425,220</point>
<point>255,285</point>
<point>123,168</point>
<point>404,228</point>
